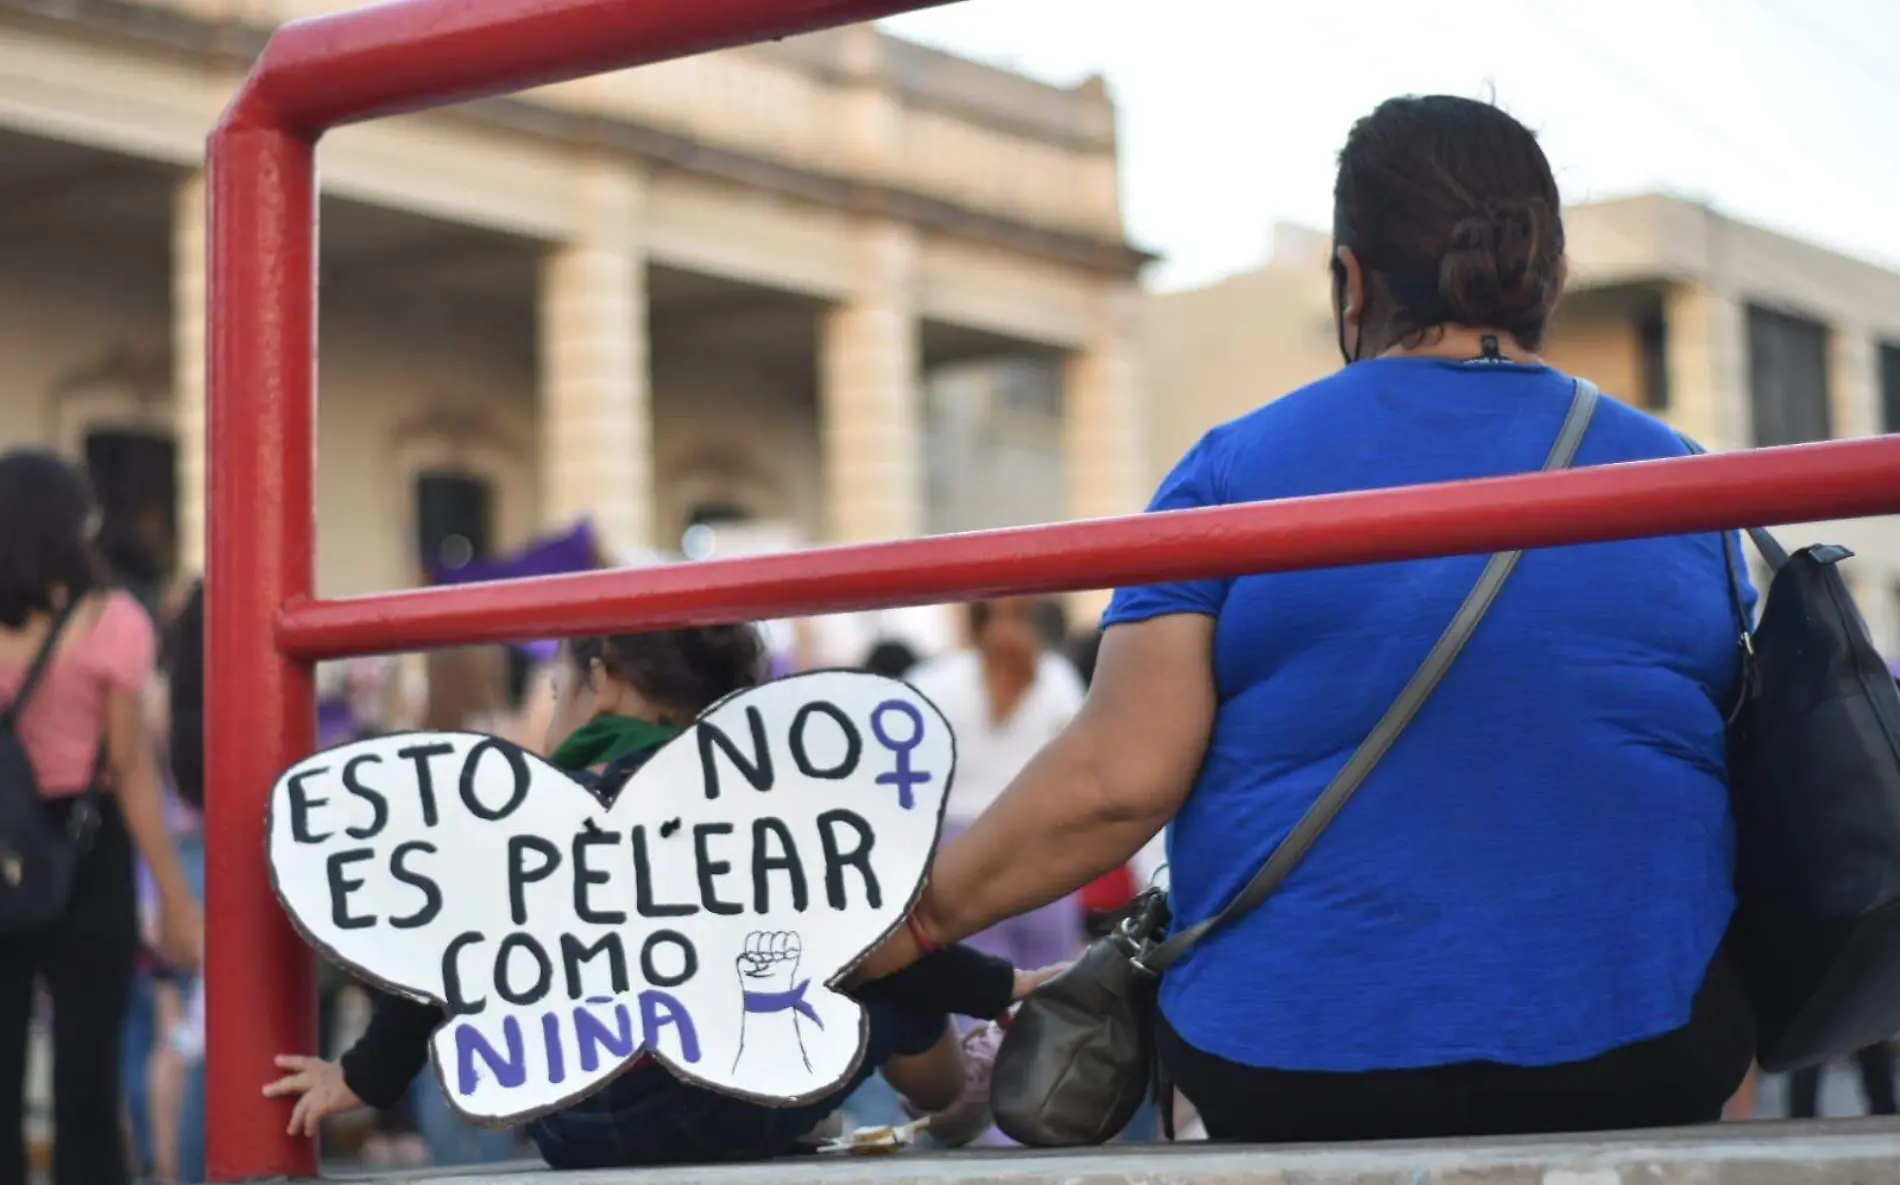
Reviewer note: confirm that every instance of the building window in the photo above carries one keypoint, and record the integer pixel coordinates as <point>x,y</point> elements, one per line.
<point>1652,344</point>
<point>1889,387</point>
<point>452,519</point>
<point>992,444</point>
<point>1787,378</point>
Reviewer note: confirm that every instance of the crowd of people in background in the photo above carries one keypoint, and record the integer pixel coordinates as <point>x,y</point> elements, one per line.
<point>1461,957</point>
<point>1016,680</point>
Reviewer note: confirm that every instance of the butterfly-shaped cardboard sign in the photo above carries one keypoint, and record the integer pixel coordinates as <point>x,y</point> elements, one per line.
<point>702,917</point>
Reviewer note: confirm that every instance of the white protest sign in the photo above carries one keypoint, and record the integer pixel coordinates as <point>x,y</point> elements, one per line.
<point>703,917</point>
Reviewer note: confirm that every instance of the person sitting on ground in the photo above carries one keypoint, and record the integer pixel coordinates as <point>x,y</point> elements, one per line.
<point>617,700</point>
<point>1517,923</point>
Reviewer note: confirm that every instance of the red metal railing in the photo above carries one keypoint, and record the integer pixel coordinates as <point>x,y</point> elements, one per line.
<point>266,628</point>
<point>1841,479</point>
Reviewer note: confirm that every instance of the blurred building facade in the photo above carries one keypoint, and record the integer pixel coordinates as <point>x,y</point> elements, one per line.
<point>1737,336</point>
<point>714,291</point>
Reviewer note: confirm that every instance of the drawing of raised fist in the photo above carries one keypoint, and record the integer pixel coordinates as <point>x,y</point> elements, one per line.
<point>768,977</point>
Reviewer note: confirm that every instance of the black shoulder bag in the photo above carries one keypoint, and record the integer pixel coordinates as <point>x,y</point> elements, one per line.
<point>1079,1056</point>
<point>39,859</point>
<point>1814,783</point>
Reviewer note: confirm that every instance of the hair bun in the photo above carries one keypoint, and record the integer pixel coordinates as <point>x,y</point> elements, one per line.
<point>1497,264</point>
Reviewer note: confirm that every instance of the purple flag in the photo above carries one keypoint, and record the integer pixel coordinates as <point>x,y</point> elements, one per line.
<point>558,555</point>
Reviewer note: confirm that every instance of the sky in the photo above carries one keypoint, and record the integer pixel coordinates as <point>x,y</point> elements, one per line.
<point>1232,111</point>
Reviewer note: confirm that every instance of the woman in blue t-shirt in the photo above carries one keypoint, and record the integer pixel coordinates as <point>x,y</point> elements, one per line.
<point>1516,924</point>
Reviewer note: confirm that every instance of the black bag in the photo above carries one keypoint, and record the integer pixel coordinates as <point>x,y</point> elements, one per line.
<point>1079,1056</point>
<point>38,858</point>
<point>187,696</point>
<point>1814,783</point>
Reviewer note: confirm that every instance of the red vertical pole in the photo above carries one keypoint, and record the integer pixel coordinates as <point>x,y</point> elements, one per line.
<point>259,707</point>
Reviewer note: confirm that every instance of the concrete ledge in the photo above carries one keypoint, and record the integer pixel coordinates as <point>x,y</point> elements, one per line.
<point>1851,1152</point>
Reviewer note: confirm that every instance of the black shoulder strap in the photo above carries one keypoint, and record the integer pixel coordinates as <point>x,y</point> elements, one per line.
<point>10,715</point>
<point>1379,741</point>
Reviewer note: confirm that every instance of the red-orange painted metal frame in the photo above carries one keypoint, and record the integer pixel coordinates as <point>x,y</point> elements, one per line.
<point>266,627</point>
<point>1841,479</point>
<point>261,414</point>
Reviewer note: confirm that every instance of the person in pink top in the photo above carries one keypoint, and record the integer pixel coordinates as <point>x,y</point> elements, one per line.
<point>83,727</point>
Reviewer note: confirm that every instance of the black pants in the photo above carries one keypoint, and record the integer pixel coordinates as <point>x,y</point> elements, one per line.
<point>86,962</point>
<point>1681,1077</point>
<point>1876,1084</point>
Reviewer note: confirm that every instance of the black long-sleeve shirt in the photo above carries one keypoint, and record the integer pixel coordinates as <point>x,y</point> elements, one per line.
<point>391,1052</point>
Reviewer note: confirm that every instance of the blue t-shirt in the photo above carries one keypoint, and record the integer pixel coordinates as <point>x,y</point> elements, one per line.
<point>1540,869</point>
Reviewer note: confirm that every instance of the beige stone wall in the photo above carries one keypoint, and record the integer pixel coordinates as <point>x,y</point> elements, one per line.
<point>870,394</point>
<point>734,429</point>
<point>85,336</point>
<point>594,402</point>
<point>1032,151</point>
<point>992,209</point>
<point>392,406</point>
<point>1219,352</point>
<point>444,166</point>
<point>86,343</point>
<point>1603,349</point>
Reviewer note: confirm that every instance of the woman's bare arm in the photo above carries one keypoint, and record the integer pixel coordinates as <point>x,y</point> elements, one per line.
<point>1088,801</point>
<point>130,753</point>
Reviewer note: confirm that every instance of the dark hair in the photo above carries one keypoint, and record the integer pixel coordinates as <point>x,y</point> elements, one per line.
<point>1048,617</point>
<point>45,503</point>
<point>1450,206</point>
<point>890,658</point>
<point>686,670</point>
<point>980,614</point>
<point>1052,621</point>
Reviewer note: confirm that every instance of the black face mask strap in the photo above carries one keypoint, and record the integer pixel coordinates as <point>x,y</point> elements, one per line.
<point>1339,319</point>
<point>1339,308</point>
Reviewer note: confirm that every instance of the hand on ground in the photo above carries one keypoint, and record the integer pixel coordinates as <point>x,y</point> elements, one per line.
<point>320,1090</point>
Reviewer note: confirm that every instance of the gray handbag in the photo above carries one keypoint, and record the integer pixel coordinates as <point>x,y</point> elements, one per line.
<point>1079,1056</point>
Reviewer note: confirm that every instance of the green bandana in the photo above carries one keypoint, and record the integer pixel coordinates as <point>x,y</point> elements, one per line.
<point>609,738</point>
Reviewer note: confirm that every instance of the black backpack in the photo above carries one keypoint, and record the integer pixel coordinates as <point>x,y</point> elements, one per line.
<point>38,858</point>
<point>1814,779</point>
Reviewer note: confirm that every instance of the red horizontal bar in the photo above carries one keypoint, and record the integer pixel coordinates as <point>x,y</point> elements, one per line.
<point>367,62</point>
<point>1805,483</point>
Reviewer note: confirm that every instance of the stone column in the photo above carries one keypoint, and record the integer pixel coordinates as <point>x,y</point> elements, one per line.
<point>868,128</point>
<point>1098,167</point>
<point>1104,425</point>
<point>870,398</point>
<point>1706,344</point>
<point>596,434</point>
<point>188,368</point>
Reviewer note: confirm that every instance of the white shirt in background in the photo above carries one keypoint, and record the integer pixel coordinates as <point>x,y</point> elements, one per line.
<point>991,753</point>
